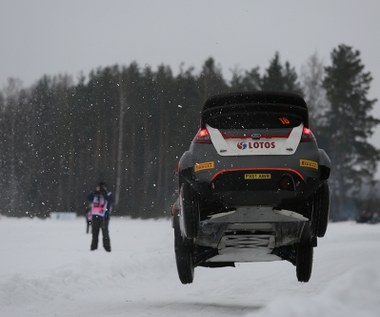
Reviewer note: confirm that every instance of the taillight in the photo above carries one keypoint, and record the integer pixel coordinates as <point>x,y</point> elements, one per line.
<point>202,136</point>
<point>307,135</point>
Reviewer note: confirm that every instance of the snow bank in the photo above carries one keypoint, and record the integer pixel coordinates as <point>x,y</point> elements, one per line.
<point>47,269</point>
<point>355,293</point>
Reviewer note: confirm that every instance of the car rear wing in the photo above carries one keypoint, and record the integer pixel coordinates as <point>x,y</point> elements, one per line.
<point>246,102</point>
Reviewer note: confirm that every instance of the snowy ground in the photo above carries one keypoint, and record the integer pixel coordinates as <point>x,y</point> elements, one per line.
<point>46,269</point>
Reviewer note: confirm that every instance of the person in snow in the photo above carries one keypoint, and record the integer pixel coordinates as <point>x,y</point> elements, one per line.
<point>101,206</point>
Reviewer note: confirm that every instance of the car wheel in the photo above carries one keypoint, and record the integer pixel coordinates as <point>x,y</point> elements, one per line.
<point>183,249</point>
<point>304,262</point>
<point>304,255</point>
<point>321,211</point>
<point>189,211</point>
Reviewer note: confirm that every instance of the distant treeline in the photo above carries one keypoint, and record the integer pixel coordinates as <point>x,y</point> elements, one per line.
<point>128,126</point>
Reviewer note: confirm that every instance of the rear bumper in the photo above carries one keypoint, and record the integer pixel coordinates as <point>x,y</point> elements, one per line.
<point>276,187</point>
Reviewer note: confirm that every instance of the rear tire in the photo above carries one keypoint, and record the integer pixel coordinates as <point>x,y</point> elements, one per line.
<point>321,211</point>
<point>304,262</point>
<point>189,211</point>
<point>304,257</point>
<point>183,249</point>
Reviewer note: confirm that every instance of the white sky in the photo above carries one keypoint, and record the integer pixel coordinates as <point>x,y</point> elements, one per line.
<point>54,36</point>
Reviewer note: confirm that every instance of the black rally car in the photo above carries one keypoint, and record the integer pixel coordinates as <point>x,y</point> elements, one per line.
<point>252,186</point>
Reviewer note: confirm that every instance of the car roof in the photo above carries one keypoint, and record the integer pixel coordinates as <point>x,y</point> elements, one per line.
<point>256,101</point>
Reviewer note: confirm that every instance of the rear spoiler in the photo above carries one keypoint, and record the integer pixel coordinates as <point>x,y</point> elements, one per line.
<point>255,101</point>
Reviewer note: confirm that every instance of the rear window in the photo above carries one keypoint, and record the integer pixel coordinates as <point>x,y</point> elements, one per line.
<point>253,120</point>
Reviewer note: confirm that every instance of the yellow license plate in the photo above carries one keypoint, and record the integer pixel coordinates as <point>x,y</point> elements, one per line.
<point>253,176</point>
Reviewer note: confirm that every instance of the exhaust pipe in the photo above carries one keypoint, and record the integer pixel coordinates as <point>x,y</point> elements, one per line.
<point>286,183</point>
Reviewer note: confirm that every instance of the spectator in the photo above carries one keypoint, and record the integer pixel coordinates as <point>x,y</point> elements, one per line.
<point>101,204</point>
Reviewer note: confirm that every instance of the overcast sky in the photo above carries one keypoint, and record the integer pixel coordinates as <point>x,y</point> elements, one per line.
<point>68,36</point>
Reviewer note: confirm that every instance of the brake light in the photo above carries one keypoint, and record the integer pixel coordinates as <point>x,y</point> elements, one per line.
<point>307,135</point>
<point>202,136</point>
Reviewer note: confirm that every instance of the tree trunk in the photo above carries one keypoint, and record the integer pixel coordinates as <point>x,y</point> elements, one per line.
<point>119,172</point>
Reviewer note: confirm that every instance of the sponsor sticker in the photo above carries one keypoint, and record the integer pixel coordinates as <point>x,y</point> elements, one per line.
<point>309,164</point>
<point>204,166</point>
<point>257,176</point>
<point>256,145</point>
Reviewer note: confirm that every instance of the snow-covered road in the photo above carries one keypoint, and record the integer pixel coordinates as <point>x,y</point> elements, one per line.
<point>46,269</point>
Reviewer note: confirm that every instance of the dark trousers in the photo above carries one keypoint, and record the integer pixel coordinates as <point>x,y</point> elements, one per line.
<point>98,223</point>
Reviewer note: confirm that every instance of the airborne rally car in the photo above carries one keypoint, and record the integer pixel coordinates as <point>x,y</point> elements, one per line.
<point>252,186</point>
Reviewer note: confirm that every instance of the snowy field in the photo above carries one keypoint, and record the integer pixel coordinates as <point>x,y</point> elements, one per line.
<point>46,269</point>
